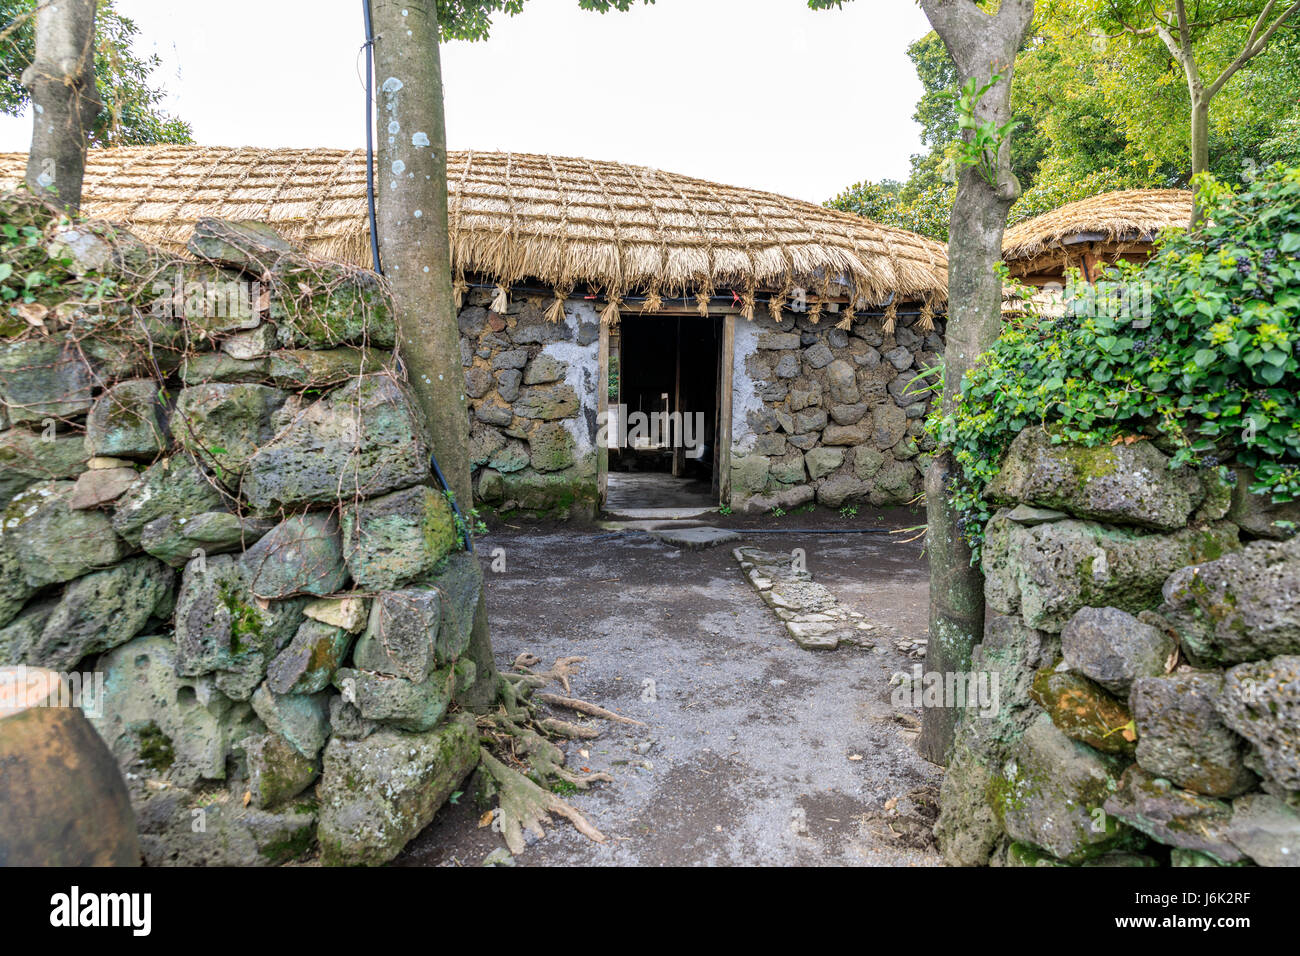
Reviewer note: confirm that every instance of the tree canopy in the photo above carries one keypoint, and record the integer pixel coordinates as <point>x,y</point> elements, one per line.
<point>472,19</point>
<point>1103,107</point>
<point>131,115</point>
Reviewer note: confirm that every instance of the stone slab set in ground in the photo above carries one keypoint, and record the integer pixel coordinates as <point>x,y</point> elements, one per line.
<point>1147,660</point>
<point>695,539</point>
<point>811,614</point>
<point>248,548</point>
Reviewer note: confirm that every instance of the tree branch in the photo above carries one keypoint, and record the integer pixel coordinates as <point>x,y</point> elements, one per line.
<point>1255,43</point>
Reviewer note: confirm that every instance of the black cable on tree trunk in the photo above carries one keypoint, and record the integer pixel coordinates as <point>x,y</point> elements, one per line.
<point>374,237</point>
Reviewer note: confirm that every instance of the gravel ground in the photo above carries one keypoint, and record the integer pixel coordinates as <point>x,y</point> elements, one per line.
<point>755,752</point>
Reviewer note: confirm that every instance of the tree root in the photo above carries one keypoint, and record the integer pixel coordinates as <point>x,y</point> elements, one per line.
<point>526,806</point>
<point>583,707</point>
<point>519,758</point>
<point>527,681</point>
<point>562,728</point>
<point>561,670</point>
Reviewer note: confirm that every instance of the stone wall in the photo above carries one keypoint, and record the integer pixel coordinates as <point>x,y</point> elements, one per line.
<point>1144,627</point>
<point>221,508</point>
<point>818,413</point>
<point>531,386</point>
<point>827,415</point>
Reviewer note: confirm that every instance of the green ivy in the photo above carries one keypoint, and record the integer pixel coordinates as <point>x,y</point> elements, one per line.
<point>1195,349</point>
<point>981,148</point>
<point>30,274</point>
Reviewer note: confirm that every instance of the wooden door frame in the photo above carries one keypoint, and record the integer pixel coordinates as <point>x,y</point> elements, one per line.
<point>727,353</point>
<point>727,350</point>
<point>602,408</point>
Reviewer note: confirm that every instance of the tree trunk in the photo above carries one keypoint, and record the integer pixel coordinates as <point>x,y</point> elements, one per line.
<point>415,251</point>
<point>979,218</point>
<point>64,102</point>
<point>956,606</point>
<point>1200,146</point>
<point>980,44</point>
<point>974,318</point>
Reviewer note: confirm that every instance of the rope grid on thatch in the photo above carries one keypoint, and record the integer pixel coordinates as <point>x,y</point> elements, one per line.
<point>653,302</point>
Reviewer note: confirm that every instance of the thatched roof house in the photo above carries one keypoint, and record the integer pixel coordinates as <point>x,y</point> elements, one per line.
<point>567,268</point>
<point>1093,232</point>
<point>562,221</point>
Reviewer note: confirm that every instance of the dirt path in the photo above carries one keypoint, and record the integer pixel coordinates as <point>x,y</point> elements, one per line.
<point>759,752</point>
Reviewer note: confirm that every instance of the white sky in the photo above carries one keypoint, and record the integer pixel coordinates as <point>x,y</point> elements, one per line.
<point>758,93</point>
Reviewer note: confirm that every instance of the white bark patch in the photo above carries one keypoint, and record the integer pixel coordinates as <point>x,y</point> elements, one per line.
<point>394,128</point>
<point>392,85</point>
<point>419,140</point>
<point>399,167</point>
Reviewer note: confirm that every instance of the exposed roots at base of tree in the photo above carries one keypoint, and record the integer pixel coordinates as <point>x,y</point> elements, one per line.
<point>523,805</point>
<point>522,765</point>
<point>583,707</point>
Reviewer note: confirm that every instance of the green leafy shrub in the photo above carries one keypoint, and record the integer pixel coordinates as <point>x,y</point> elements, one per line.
<point>1195,349</point>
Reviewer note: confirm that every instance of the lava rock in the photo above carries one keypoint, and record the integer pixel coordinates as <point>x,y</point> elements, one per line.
<point>366,436</point>
<point>1113,647</point>
<point>376,794</point>
<point>1182,738</point>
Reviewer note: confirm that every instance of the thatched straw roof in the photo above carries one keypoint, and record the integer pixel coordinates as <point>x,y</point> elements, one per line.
<point>1127,215</point>
<point>623,229</point>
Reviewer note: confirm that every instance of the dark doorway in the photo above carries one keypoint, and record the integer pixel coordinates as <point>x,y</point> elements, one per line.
<point>667,370</point>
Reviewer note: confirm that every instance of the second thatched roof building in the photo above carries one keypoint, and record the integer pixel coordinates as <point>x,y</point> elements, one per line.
<point>1092,233</point>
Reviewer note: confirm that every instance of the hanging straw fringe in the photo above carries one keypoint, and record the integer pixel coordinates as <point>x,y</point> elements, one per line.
<point>555,312</point>
<point>926,322</point>
<point>846,323</point>
<point>609,314</point>
<point>501,300</point>
<point>458,290</point>
<point>702,300</point>
<point>653,301</point>
<point>891,312</point>
<point>815,310</point>
<point>747,304</point>
<point>774,306</point>
<point>820,300</point>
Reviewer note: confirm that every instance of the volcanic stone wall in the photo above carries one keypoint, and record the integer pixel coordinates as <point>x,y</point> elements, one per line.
<point>829,415</point>
<point>531,386</point>
<point>1143,624</point>
<point>217,507</point>
<point>819,413</point>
